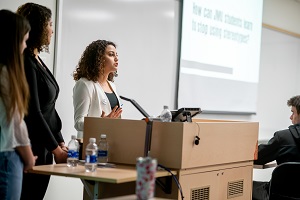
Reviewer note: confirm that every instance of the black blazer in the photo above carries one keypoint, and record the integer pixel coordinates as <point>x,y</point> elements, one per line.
<point>284,146</point>
<point>43,123</point>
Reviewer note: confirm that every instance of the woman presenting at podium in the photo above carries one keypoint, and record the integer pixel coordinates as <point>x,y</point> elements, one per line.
<point>94,93</point>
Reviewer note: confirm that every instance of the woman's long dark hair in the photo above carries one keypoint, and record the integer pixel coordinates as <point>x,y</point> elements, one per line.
<point>16,95</point>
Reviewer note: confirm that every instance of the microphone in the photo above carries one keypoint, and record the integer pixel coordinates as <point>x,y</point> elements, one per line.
<point>142,111</point>
<point>197,140</point>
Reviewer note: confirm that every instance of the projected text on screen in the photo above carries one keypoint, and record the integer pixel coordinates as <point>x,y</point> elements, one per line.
<point>220,54</point>
<point>224,35</point>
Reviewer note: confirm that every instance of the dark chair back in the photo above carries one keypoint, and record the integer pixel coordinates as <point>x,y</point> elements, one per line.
<point>285,182</point>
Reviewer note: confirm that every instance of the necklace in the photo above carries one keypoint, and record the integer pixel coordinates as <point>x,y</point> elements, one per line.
<point>104,84</point>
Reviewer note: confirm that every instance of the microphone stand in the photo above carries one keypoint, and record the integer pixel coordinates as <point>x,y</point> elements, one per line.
<point>148,137</point>
<point>166,187</point>
<point>149,122</point>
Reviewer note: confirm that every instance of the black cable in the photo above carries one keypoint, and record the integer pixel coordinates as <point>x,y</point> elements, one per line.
<point>175,179</point>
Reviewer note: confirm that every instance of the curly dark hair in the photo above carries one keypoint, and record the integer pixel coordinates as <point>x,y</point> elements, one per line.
<point>295,101</point>
<point>38,17</point>
<point>90,61</point>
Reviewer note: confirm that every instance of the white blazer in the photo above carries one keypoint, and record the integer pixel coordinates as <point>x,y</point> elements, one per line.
<point>89,99</point>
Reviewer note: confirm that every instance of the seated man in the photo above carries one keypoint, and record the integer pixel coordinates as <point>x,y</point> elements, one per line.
<point>284,146</point>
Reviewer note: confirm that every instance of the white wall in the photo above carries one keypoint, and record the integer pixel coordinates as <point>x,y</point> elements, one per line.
<point>278,82</point>
<point>48,58</point>
<point>278,77</point>
<point>283,14</point>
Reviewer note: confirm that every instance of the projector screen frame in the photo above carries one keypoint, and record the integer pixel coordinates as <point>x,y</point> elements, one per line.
<point>250,110</point>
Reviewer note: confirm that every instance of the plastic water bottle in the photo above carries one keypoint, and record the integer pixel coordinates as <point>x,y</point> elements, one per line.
<point>91,156</point>
<point>73,152</point>
<point>103,149</point>
<point>166,115</point>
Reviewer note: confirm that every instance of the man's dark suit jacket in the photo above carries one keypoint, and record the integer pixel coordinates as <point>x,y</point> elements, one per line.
<point>284,146</point>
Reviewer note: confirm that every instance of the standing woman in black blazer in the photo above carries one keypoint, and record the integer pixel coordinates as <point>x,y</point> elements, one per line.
<point>44,124</point>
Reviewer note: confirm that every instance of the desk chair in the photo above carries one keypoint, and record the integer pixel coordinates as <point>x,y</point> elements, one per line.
<point>284,184</point>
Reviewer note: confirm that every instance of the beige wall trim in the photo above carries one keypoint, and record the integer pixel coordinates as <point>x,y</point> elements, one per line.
<point>281,30</point>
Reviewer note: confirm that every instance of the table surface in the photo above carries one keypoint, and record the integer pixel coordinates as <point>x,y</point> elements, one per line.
<point>265,166</point>
<point>119,174</point>
<point>131,197</point>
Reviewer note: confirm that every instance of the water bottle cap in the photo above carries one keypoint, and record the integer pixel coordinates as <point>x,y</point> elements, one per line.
<point>103,136</point>
<point>92,140</point>
<point>73,137</point>
<point>166,107</point>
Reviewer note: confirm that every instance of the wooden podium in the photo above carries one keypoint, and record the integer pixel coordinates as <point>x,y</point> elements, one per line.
<point>220,167</point>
